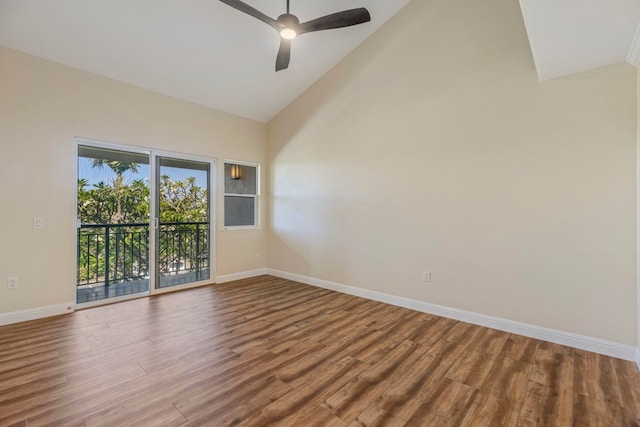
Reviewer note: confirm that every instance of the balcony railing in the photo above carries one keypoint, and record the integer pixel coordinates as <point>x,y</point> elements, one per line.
<point>118,253</point>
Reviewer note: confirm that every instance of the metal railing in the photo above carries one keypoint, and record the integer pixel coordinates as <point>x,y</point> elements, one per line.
<point>117,253</point>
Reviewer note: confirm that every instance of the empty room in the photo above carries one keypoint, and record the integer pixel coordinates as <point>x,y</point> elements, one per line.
<point>319,213</point>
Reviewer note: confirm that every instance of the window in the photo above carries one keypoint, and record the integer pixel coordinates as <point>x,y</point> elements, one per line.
<point>241,205</point>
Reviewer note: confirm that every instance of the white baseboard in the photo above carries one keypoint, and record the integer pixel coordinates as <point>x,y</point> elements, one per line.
<point>241,275</point>
<point>582,342</point>
<point>35,313</point>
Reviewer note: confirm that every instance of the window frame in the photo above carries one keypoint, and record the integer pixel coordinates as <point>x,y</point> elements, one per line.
<point>256,197</point>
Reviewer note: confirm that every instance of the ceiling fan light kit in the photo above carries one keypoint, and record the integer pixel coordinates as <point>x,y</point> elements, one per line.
<point>289,26</point>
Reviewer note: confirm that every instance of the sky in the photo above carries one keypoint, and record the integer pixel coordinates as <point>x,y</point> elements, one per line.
<point>94,175</point>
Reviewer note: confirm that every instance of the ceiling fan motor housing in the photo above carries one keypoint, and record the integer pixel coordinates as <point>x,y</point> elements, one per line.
<point>288,20</point>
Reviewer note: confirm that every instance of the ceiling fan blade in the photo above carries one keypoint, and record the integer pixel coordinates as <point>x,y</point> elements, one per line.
<point>346,18</point>
<point>243,7</point>
<point>284,54</point>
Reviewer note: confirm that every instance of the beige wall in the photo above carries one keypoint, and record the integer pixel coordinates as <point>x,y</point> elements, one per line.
<point>434,147</point>
<point>43,106</point>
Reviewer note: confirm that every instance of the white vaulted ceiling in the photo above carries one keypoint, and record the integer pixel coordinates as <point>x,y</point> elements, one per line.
<point>569,36</point>
<point>208,53</point>
<point>198,50</point>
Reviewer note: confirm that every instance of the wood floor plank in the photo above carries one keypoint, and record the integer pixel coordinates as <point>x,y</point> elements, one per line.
<point>178,378</point>
<point>373,416</point>
<point>306,367</point>
<point>238,410</point>
<point>404,386</point>
<point>499,400</point>
<point>321,417</point>
<point>591,412</point>
<point>267,351</point>
<point>419,381</point>
<point>41,385</point>
<point>536,399</point>
<point>480,354</point>
<point>291,408</point>
<point>520,348</point>
<point>253,380</point>
<point>549,397</point>
<point>47,402</point>
<point>314,403</point>
<point>473,368</point>
<point>434,331</point>
<point>165,416</point>
<point>446,407</point>
<point>356,396</point>
<point>629,383</point>
<point>595,377</point>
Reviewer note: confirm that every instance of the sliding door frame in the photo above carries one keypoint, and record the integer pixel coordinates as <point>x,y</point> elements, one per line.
<point>153,209</point>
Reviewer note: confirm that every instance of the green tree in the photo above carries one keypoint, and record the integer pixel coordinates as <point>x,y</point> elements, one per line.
<point>182,236</point>
<point>182,201</point>
<point>109,203</point>
<point>183,207</point>
<point>118,182</point>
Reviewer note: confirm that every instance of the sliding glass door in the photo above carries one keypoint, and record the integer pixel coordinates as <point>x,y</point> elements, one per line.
<point>143,223</point>
<point>112,224</point>
<point>182,234</point>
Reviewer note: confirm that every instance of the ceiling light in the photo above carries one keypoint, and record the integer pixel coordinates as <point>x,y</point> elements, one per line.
<point>288,33</point>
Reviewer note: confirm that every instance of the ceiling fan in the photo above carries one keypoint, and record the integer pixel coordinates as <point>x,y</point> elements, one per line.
<point>289,25</point>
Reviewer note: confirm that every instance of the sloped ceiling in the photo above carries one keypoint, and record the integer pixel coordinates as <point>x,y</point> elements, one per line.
<point>569,36</point>
<point>198,50</point>
<point>206,52</point>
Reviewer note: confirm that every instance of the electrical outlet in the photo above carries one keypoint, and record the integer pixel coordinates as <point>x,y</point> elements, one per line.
<point>38,223</point>
<point>426,276</point>
<point>12,282</point>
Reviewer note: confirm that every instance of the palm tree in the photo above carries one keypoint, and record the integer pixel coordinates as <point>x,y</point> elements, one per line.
<point>118,183</point>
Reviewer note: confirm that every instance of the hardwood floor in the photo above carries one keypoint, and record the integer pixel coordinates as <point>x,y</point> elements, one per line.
<point>271,352</point>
